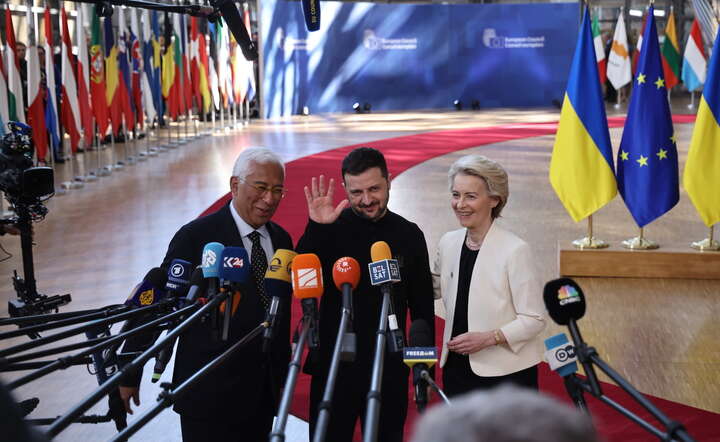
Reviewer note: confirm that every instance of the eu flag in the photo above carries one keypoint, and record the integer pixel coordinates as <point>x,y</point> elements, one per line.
<point>647,162</point>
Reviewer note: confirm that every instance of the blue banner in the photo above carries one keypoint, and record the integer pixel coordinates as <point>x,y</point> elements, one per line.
<point>398,57</point>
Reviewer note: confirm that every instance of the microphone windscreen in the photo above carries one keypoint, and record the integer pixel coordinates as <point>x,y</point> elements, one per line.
<point>380,250</point>
<point>307,278</point>
<point>198,285</point>
<point>211,259</point>
<point>235,265</point>
<point>235,23</point>
<point>197,278</point>
<point>420,335</point>
<point>311,9</point>
<point>564,300</point>
<point>280,265</point>
<point>178,274</point>
<point>150,290</point>
<point>346,270</point>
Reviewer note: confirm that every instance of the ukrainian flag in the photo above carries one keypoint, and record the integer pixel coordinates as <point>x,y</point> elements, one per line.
<point>701,177</point>
<point>112,72</point>
<point>581,168</point>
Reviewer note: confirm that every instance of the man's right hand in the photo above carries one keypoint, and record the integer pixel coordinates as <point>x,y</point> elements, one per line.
<point>320,201</point>
<point>130,392</point>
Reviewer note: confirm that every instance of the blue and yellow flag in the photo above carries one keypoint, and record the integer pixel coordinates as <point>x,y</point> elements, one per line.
<point>581,168</point>
<point>701,177</point>
<point>647,161</point>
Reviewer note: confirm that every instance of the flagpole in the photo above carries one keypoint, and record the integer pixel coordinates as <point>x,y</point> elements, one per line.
<point>692,100</point>
<point>707,244</point>
<point>640,242</point>
<point>590,242</point>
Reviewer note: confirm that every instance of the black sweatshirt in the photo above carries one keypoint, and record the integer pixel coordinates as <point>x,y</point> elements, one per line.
<point>351,235</point>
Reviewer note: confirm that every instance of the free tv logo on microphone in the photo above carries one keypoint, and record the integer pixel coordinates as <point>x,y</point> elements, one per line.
<point>567,294</point>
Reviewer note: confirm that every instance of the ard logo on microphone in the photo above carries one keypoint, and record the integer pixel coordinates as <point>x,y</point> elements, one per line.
<point>233,262</point>
<point>568,294</point>
<point>307,278</point>
<point>146,297</point>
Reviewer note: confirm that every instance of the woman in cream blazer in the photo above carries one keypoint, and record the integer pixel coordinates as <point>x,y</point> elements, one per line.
<point>486,279</point>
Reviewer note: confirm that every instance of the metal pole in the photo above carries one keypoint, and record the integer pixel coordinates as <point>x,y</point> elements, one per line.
<point>324,414</point>
<point>278,432</point>
<point>372,413</point>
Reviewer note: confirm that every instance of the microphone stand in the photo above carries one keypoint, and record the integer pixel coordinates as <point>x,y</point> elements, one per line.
<point>88,315</point>
<point>373,399</point>
<point>84,328</point>
<point>62,422</point>
<point>427,378</point>
<point>33,319</point>
<point>278,431</point>
<point>588,356</point>
<point>66,361</point>
<point>167,398</point>
<point>324,407</point>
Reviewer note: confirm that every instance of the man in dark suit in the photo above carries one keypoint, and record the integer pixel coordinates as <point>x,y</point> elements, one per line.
<point>237,400</point>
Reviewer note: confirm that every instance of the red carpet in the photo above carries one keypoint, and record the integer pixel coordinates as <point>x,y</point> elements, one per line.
<point>405,152</point>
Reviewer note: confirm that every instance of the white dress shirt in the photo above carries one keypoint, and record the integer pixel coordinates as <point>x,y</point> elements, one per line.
<point>246,229</point>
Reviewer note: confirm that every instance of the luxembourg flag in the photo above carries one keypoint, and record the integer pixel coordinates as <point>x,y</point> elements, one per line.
<point>694,62</point>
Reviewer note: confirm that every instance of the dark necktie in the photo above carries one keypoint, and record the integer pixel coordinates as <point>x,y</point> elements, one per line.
<point>258,266</point>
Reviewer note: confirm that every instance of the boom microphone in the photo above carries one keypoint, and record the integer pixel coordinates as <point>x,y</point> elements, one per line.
<point>232,17</point>
<point>311,10</point>
<point>150,290</point>
<point>420,356</point>
<point>307,284</point>
<point>278,284</point>
<point>346,276</point>
<point>178,276</point>
<point>384,271</point>
<point>234,271</point>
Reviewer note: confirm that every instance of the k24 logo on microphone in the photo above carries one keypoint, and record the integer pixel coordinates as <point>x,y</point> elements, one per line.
<point>233,262</point>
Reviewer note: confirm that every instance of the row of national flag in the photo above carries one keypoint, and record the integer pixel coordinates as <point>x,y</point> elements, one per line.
<point>619,66</point>
<point>122,78</point>
<point>645,171</point>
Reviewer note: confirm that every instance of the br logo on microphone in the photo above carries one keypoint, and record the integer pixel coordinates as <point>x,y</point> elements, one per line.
<point>308,278</point>
<point>177,270</point>
<point>233,262</point>
<point>209,258</point>
<point>568,295</point>
<point>564,354</point>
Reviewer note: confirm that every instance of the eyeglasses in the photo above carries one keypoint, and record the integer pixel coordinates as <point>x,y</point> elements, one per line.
<point>262,189</point>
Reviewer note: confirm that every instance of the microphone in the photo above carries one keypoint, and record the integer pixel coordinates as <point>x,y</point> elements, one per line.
<point>346,276</point>
<point>384,271</point>
<point>278,284</point>
<point>420,356</point>
<point>235,270</point>
<point>560,354</point>
<point>210,265</point>
<point>178,276</point>
<point>236,25</point>
<point>197,284</point>
<point>307,284</point>
<point>565,303</point>
<point>311,9</point>
<point>150,290</point>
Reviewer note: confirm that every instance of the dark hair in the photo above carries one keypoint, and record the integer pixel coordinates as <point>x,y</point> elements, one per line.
<point>362,159</point>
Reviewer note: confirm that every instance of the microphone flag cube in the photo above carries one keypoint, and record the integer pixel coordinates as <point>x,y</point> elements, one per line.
<point>211,259</point>
<point>383,271</point>
<point>420,355</point>
<point>178,274</point>
<point>235,265</point>
<point>561,355</point>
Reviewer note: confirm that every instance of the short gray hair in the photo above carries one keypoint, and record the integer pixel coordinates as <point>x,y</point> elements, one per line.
<point>505,414</point>
<point>491,172</point>
<point>258,155</point>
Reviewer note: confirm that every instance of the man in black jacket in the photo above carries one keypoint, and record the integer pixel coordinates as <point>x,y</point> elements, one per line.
<point>237,400</point>
<point>333,232</point>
